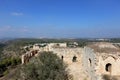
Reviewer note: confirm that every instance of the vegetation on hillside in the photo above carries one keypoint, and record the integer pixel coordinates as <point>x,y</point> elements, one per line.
<point>1,50</point>
<point>10,52</point>
<point>115,40</point>
<point>47,66</point>
<point>5,64</point>
<point>15,47</point>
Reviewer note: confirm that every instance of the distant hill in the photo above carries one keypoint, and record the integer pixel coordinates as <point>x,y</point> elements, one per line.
<point>3,40</point>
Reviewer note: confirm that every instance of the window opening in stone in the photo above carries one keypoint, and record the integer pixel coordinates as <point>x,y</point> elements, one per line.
<point>58,45</point>
<point>108,67</point>
<point>74,59</point>
<point>89,62</point>
<point>62,57</point>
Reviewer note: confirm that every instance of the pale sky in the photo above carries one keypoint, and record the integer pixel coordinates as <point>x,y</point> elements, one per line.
<point>60,18</point>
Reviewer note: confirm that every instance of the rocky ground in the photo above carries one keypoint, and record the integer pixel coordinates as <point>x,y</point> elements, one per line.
<point>77,71</point>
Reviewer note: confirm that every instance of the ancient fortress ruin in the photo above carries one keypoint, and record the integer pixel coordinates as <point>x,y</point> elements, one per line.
<point>96,59</point>
<point>101,59</point>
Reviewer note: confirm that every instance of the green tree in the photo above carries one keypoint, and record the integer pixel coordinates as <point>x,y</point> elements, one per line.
<point>47,66</point>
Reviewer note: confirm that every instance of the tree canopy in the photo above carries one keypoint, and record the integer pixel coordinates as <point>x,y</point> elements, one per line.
<point>47,66</point>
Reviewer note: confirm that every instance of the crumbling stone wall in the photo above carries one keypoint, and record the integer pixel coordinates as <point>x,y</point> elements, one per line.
<point>96,64</point>
<point>65,52</point>
<point>90,63</point>
<point>110,59</point>
<point>25,57</point>
<point>68,54</point>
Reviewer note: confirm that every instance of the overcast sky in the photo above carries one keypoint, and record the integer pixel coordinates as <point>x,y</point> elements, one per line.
<point>60,18</point>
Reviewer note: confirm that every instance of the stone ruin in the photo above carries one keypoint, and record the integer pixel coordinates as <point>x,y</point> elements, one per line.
<point>101,59</point>
<point>60,49</point>
<point>97,59</point>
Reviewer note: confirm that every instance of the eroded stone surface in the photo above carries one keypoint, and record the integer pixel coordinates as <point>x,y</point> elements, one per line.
<point>91,61</point>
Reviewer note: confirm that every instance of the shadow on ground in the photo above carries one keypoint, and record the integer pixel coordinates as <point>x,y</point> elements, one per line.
<point>108,77</point>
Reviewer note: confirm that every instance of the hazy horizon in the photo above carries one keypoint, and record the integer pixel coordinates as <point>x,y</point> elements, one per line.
<point>59,19</point>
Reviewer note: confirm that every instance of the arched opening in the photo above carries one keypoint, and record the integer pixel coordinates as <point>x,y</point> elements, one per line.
<point>62,57</point>
<point>108,67</point>
<point>74,59</point>
<point>89,62</point>
<point>57,45</point>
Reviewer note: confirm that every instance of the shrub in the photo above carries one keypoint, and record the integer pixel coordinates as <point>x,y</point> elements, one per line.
<point>8,62</point>
<point>15,61</point>
<point>47,66</point>
<point>5,72</point>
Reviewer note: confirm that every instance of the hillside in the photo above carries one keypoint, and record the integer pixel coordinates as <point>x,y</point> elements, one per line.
<point>11,51</point>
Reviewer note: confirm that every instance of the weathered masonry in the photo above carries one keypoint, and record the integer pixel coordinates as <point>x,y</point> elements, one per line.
<point>101,59</point>
<point>96,59</point>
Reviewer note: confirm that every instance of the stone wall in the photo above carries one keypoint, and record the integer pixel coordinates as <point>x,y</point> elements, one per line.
<point>93,63</point>
<point>68,54</point>
<point>98,64</point>
<point>115,65</point>
<point>90,63</point>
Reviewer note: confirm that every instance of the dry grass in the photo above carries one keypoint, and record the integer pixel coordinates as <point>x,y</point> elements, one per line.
<point>108,49</point>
